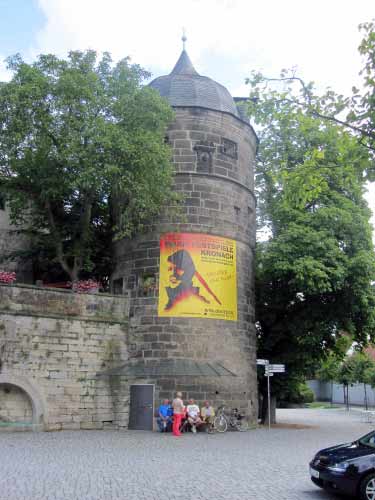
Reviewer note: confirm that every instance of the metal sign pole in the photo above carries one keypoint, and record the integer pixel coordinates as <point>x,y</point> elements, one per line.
<point>269,371</point>
<point>269,400</point>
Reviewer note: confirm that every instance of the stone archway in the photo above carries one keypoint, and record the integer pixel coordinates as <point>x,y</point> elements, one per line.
<point>37,403</point>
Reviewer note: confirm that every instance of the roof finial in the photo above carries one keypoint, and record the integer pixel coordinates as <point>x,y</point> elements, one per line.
<point>183,38</point>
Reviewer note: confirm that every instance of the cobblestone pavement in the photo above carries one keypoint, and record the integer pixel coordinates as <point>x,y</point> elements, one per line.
<point>109,465</point>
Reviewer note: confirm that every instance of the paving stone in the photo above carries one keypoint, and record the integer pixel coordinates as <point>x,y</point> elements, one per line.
<point>113,465</point>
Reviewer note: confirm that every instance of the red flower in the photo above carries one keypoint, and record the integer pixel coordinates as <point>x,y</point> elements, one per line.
<point>7,277</point>
<point>86,286</point>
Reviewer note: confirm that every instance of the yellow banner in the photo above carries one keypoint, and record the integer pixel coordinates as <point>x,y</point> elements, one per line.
<point>197,276</point>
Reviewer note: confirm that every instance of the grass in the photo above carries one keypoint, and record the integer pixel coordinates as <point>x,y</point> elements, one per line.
<point>321,405</point>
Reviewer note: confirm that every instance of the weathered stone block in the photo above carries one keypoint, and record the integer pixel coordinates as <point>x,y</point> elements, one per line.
<point>91,425</point>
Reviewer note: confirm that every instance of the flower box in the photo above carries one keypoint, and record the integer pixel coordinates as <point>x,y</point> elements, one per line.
<point>7,277</point>
<point>86,286</point>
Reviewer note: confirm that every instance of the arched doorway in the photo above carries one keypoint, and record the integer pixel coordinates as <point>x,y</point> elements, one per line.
<point>22,405</point>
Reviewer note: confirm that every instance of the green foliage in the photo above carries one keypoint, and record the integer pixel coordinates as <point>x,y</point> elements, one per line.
<point>361,365</point>
<point>314,273</point>
<point>298,393</point>
<point>363,106</point>
<point>82,154</point>
<point>370,377</point>
<point>345,375</point>
<point>356,368</point>
<point>307,395</point>
<point>355,113</point>
<point>329,368</point>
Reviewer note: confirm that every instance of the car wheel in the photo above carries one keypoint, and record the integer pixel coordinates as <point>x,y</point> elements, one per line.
<point>367,488</point>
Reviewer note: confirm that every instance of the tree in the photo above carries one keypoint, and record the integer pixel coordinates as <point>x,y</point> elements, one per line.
<point>314,272</point>
<point>355,367</point>
<point>362,366</point>
<point>345,377</point>
<point>362,114</point>
<point>355,113</point>
<point>82,153</point>
<point>369,376</point>
<point>329,369</point>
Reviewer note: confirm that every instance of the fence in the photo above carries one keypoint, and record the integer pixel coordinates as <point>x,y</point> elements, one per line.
<point>326,391</point>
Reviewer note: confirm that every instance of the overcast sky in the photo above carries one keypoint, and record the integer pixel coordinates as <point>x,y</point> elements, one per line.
<point>226,38</point>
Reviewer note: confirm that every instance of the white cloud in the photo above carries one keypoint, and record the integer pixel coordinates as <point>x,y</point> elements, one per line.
<point>321,38</point>
<point>4,73</point>
<point>226,38</point>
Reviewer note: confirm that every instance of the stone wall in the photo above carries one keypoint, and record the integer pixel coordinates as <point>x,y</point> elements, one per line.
<point>52,345</point>
<point>15,405</point>
<point>213,155</point>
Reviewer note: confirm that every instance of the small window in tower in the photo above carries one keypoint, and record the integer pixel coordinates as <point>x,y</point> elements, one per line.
<point>229,148</point>
<point>205,151</point>
<point>147,284</point>
<point>117,286</point>
<point>2,202</point>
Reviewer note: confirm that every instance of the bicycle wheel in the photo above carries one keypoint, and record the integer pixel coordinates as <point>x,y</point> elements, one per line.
<point>242,425</point>
<point>220,423</point>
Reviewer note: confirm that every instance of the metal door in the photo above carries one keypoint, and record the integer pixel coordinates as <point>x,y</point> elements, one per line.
<point>141,407</point>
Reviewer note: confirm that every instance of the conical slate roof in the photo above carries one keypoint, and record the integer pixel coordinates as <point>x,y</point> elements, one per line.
<point>184,87</point>
<point>184,66</point>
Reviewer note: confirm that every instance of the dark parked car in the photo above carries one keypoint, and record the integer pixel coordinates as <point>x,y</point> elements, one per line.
<point>347,468</point>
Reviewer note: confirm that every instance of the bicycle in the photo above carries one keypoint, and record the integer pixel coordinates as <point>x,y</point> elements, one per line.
<point>235,420</point>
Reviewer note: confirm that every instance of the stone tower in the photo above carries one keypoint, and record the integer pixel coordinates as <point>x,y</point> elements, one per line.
<point>11,241</point>
<point>196,332</point>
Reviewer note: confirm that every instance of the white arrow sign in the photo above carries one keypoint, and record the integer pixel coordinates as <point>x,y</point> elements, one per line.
<point>276,368</point>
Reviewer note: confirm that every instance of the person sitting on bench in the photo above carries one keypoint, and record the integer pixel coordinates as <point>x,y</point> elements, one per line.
<point>208,414</point>
<point>165,416</point>
<point>193,415</point>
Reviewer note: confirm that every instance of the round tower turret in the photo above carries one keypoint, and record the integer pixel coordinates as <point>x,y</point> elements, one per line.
<point>184,87</point>
<point>191,282</point>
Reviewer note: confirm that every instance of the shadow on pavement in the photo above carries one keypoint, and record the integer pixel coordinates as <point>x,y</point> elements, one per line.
<point>321,495</point>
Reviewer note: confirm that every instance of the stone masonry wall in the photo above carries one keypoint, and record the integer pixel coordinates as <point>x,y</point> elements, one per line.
<point>54,343</point>
<point>213,154</point>
<point>15,405</point>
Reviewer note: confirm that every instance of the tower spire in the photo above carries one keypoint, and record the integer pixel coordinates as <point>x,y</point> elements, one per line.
<point>183,38</point>
<point>184,66</point>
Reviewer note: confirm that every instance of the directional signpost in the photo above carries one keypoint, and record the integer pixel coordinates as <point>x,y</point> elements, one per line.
<point>269,370</point>
<point>276,368</point>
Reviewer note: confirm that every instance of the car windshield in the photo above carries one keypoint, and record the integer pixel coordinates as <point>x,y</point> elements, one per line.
<point>368,440</point>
